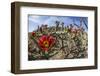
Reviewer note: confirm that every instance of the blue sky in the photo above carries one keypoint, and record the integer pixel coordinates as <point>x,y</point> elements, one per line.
<point>37,20</point>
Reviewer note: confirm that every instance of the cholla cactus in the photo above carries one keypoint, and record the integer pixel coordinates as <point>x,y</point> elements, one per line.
<point>68,43</point>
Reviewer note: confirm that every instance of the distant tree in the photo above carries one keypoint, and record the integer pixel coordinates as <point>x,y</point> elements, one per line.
<point>38,28</point>
<point>41,28</point>
<point>62,25</point>
<point>71,26</point>
<point>46,26</point>
<point>57,24</point>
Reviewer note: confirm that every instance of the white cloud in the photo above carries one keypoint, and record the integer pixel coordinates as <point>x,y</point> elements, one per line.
<point>35,19</point>
<point>50,20</point>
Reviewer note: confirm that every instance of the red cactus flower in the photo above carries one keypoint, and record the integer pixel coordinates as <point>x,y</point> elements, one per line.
<point>45,42</point>
<point>33,33</point>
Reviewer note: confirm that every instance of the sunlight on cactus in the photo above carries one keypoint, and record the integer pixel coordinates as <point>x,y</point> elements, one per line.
<point>58,42</point>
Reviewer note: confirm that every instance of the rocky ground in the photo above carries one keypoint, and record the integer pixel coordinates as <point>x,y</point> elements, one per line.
<point>69,45</point>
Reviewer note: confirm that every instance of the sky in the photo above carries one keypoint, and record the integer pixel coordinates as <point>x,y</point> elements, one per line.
<point>37,20</point>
